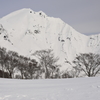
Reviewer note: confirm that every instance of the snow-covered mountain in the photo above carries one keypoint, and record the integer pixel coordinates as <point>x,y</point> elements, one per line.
<point>26,31</point>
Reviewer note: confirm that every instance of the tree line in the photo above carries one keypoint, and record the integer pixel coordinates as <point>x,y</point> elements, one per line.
<point>84,64</point>
<point>13,65</point>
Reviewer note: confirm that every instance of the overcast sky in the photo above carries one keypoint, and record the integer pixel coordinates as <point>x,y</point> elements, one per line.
<point>83,15</point>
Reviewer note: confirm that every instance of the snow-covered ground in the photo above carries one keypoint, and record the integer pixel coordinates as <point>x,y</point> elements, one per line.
<point>50,89</point>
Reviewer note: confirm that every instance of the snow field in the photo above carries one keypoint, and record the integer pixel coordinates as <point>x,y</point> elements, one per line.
<point>50,89</point>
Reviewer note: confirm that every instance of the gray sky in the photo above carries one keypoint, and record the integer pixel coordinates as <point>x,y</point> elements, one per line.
<point>82,15</point>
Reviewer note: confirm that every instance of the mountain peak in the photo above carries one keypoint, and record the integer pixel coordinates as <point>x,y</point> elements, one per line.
<point>17,13</point>
<point>28,31</point>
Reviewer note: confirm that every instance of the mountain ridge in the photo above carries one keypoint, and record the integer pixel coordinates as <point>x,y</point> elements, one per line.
<point>26,31</point>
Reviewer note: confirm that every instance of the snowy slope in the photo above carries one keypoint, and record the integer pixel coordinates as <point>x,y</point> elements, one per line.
<point>56,89</point>
<point>26,31</point>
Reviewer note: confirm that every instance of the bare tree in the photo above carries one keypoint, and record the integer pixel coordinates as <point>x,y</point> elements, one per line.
<point>32,68</point>
<point>12,62</point>
<point>48,62</point>
<point>89,63</point>
<point>3,59</point>
<point>22,65</point>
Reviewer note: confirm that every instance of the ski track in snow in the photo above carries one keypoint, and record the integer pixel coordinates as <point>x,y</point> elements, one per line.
<point>50,89</point>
